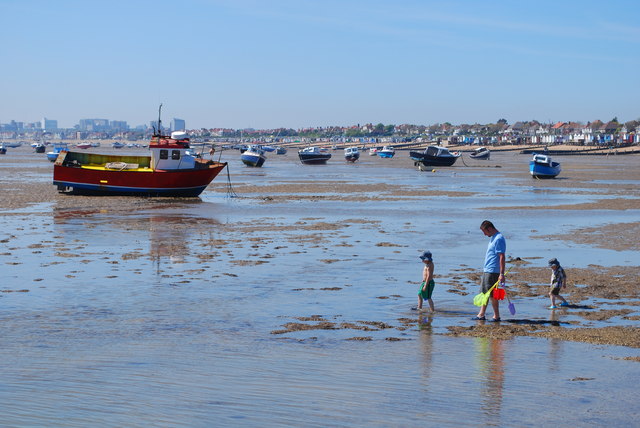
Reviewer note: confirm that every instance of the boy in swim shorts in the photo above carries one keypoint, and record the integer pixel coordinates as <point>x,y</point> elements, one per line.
<point>428,284</point>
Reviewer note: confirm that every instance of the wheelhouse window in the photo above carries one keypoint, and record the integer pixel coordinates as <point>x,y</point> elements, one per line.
<point>175,154</point>
<point>164,154</point>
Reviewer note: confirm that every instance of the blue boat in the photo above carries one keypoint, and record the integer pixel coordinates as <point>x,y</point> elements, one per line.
<point>387,152</point>
<point>253,156</point>
<point>541,166</point>
<point>57,148</point>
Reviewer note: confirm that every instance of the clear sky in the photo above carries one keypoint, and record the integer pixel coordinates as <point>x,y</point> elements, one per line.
<point>303,63</point>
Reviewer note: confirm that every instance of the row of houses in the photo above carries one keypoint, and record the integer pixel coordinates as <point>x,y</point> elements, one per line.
<point>533,132</point>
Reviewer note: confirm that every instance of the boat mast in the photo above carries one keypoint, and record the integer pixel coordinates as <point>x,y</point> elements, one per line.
<point>159,121</point>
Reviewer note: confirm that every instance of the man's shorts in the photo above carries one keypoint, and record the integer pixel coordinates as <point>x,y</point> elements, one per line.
<point>488,279</point>
<point>555,291</point>
<point>426,294</point>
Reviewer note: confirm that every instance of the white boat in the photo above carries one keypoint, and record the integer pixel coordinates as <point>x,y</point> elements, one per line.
<point>351,154</point>
<point>373,151</point>
<point>480,153</point>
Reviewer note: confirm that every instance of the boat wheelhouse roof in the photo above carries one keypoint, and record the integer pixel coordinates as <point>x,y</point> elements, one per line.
<point>165,142</point>
<point>546,159</point>
<point>437,151</point>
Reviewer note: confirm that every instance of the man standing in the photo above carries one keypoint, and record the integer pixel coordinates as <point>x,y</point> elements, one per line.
<point>493,271</point>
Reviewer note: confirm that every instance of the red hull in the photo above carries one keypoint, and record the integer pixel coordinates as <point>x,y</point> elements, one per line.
<point>157,183</point>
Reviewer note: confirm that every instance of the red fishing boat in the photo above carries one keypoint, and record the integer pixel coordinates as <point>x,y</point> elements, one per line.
<point>172,169</point>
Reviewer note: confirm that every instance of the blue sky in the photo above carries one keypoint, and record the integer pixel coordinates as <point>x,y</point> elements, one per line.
<point>286,63</point>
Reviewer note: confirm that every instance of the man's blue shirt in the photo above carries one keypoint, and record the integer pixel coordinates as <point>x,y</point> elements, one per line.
<point>497,245</point>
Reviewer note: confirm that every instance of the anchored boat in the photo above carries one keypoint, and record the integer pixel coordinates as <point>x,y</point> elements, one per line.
<point>253,156</point>
<point>387,152</point>
<point>434,156</point>
<point>481,153</point>
<point>172,169</point>
<point>57,148</point>
<point>541,166</point>
<point>351,154</point>
<point>314,155</point>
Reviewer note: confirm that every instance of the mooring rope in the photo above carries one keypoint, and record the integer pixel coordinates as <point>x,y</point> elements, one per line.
<point>230,192</point>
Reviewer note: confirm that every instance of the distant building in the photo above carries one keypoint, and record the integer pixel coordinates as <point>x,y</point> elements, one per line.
<point>178,125</point>
<point>94,125</point>
<point>48,125</point>
<point>118,125</point>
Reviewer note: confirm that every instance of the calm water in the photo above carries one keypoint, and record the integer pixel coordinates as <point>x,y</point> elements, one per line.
<point>161,312</point>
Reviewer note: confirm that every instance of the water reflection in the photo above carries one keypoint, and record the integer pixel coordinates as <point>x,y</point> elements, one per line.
<point>426,347</point>
<point>490,361</point>
<point>167,229</point>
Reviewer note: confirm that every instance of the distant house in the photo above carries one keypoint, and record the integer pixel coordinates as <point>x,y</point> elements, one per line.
<point>609,127</point>
<point>557,127</point>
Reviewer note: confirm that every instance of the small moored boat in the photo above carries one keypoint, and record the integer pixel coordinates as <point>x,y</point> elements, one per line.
<point>117,145</point>
<point>434,156</point>
<point>351,154</point>
<point>314,155</point>
<point>387,152</point>
<point>481,153</point>
<point>3,149</point>
<point>253,156</point>
<point>40,148</point>
<point>541,166</point>
<point>373,151</point>
<point>57,148</point>
<point>281,150</point>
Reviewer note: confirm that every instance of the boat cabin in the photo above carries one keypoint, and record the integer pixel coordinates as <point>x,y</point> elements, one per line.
<point>437,151</point>
<point>171,153</point>
<point>542,159</point>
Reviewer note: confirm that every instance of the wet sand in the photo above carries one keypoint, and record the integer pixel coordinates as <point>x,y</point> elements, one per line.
<point>325,258</point>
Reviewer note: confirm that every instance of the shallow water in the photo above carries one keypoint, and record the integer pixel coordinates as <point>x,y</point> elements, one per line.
<point>147,312</point>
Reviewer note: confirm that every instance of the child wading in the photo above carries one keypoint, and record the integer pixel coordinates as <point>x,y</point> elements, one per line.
<point>426,288</point>
<point>558,280</point>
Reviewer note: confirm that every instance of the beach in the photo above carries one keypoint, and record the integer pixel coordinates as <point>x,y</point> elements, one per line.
<point>283,295</point>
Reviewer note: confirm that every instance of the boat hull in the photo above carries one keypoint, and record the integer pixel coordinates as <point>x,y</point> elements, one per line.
<point>426,160</point>
<point>95,178</point>
<point>385,154</point>
<point>538,170</point>
<point>314,158</point>
<point>252,160</point>
<point>483,156</point>
<point>352,157</point>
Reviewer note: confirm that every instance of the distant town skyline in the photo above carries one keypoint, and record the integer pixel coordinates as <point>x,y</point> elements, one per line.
<point>300,63</point>
<point>103,124</point>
